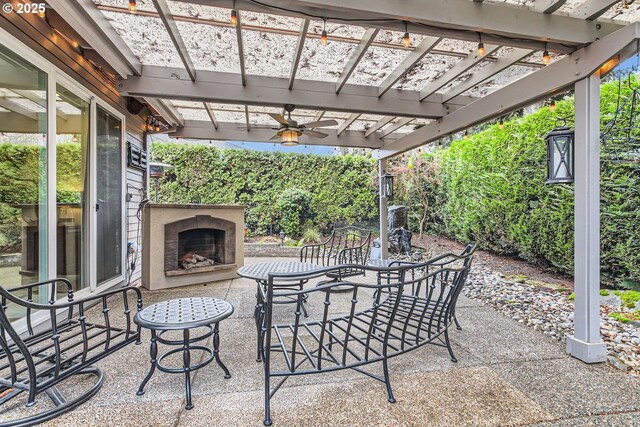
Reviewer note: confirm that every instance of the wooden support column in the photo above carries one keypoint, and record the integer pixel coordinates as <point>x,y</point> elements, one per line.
<point>586,344</point>
<point>384,232</point>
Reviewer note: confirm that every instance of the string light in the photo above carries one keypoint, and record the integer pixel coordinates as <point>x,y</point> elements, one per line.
<point>625,4</point>
<point>133,7</point>
<point>501,124</point>
<point>406,40</point>
<point>546,58</point>
<point>552,106</point>
<point>42,13</point>
<point>234,18</point>
<point>74,43</point>
<point>481,49</point>
<point>466,134</point>
<point>323,38</point>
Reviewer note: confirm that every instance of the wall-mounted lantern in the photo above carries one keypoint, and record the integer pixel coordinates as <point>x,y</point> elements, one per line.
<point>560,143</point>
<point>386,185</point>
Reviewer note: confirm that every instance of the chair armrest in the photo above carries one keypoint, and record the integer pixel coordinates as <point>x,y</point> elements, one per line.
<point>354,255</point>
<point>313,252</point>
<point>52,290</point>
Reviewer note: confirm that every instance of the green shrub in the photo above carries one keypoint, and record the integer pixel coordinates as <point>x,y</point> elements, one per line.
<point>311,235</point>
<point>294,208</point>
<point>341,187</point>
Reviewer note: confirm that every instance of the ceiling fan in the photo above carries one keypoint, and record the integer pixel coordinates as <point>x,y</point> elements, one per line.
<point>289,130</point>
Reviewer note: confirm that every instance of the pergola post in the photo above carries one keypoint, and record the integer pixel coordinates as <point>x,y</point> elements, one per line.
<point>586,344</point>
<point>384,233</point>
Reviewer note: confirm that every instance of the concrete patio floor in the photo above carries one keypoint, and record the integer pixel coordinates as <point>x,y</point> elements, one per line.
<point>507,374</point>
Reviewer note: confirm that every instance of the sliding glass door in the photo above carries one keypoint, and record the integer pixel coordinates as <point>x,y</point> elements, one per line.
<point>72,215</point>
<point>109,210</point>
<point>61,178</point>
<point>23,172</point>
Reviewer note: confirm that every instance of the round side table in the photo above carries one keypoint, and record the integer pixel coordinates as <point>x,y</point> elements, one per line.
<point>182,315</point>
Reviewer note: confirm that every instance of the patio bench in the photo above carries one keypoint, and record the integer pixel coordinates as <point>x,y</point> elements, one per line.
<point>413,306</point>
<point>56,344</point>
<point>346,245</point>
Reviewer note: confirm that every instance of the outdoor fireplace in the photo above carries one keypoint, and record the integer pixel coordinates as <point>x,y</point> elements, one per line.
<point>191,244</point>
<point>199,243</point>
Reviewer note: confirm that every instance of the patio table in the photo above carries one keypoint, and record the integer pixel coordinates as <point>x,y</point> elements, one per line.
<point>183,315</point>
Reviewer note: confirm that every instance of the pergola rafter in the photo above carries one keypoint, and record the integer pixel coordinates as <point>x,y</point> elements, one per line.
<point>212,115</point>
<point>243,70</point>
<point>302,36</point>
<point>456,71</point>
<point>172,29</point>
<point>357,55</point>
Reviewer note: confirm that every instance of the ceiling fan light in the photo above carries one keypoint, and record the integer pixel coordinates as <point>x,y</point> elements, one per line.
<point>289,138</point>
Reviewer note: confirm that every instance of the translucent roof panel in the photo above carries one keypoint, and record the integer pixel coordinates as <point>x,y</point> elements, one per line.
<point>377,63</point>
<point>141,5</point>
<point>194,113</point>
<point>395,38</point>
<point>187,104</point>
<point>211,47</point>
<point>618,12</point>
<point>570,6</point>
<point>465,76</point>
<point>429,68</point>
<point>270,21</point>
<point>199,11</point>
<point>337,29</point>
<point>146,37</point>
<point>323,63</point>
<point>268,54</point>
<point>501,79</point>
<point>457,46</point>
<point>230,116</point>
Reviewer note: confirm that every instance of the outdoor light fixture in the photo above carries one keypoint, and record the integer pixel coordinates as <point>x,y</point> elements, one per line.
<point>481,49</point>
<point>466,135</point>
<point>323,38</point>
<point>501,124</point>
<point>386,185</point>
<point>560,142</point>
<point>282,238</point>
<point>552,105</point>
<point>156,171</point>
<point>406,40</point>
<point>133,8</point>
<point>234,18</point>
<point>289,137</point>
<point>546,58</point>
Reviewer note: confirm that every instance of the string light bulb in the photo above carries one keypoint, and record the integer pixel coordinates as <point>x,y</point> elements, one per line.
<point>42,14</point>
<point>74,43</point>
<point>157,127</point>
<point>234,18</point>
<point>546,58</point>
<point>552,106</point>
<point>133,7</point>
<point>501,124</point>
<point>406,39</point>
<point>323,38</point>
<point>481,50</point>
<point>466,134</point>
<point>625,4</point>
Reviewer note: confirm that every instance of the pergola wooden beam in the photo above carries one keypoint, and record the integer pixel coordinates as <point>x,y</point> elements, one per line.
<point>352,118</point>
<point>167,110</point>
<point>423,48</point>
<point>368,37</point>
<point>212,86</point>
<point>593,9</point>
<point>487,72</point>
<point>395,126</point>
<point>212,114</point>
<point>456,71</point>
<point>243,71</point>
<point>379,124</point>
<point>302,36</point>
<point>194,129</point>
<point>506,25</point>
<point>172,29</point>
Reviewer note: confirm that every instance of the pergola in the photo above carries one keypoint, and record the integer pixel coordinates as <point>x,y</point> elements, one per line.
<point>210,79</point>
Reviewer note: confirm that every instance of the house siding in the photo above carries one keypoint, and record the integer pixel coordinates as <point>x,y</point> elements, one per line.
<point>136,187</point>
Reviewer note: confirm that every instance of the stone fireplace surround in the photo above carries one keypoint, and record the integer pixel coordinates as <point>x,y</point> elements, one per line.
<point>162,224</point>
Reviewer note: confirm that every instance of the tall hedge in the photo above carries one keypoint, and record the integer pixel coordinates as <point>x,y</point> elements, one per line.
<point>492,190</point>
<point>340,187</point>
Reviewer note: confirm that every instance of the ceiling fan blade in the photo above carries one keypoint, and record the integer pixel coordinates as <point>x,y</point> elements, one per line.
<point>275,137</point>
<point>315,134</point>
<point>279,118</point>
<point>320,124</point>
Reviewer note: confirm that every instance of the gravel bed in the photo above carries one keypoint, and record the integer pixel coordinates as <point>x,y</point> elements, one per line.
<point>551,313</point>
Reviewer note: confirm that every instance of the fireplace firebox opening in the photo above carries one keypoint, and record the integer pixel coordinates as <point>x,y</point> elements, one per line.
<point>200,248</point>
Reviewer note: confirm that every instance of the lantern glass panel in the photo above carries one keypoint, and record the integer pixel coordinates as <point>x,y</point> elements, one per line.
<point>560,156</point>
